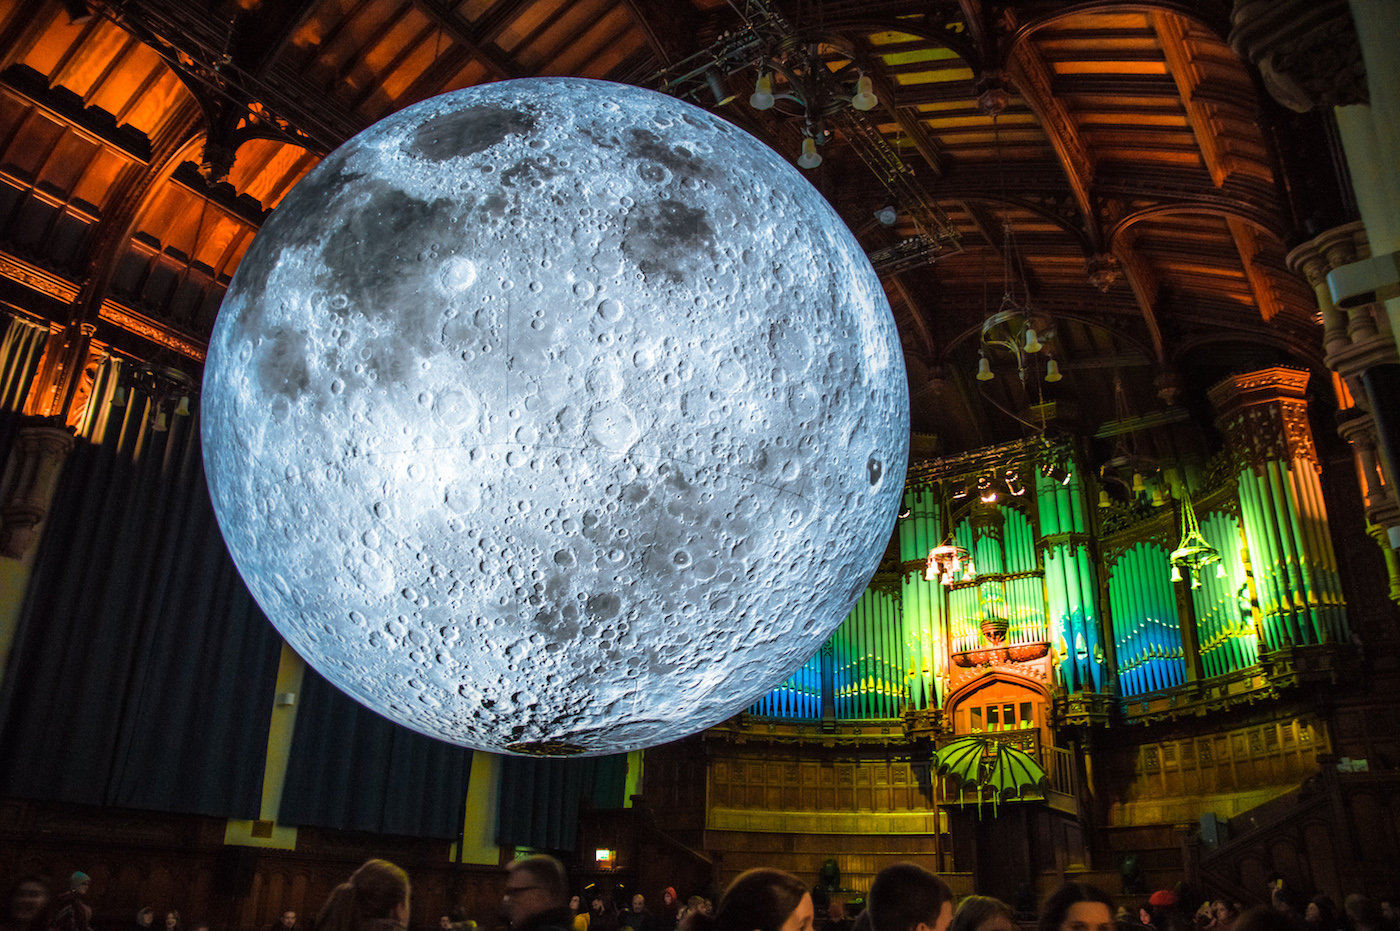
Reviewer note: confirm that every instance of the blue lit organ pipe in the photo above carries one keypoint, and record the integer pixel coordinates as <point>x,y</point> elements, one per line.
<point>1225,636</point>
<point>799,696</point>
<point>1146,625</point>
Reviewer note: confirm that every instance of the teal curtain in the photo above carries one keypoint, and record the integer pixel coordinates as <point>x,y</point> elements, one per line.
<point>354,770</point>
<point>540,798</point>
<point>142,672</point>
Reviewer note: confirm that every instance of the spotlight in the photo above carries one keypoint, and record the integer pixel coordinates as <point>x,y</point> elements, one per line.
<point>887,214</point>
<point>904,512</point>
<point>78,12</point>
<point>718,86</point>
<point>960,491</point>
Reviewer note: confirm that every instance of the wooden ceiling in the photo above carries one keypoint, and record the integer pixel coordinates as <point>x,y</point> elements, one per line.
<point>1122,142</point>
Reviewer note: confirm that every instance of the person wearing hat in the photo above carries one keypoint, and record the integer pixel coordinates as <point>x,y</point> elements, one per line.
<point>70,912</point>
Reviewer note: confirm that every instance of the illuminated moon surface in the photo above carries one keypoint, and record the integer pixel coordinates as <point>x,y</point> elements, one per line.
<point>555,416</point>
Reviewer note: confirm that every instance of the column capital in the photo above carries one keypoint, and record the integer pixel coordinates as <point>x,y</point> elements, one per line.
<point>1264,414</point>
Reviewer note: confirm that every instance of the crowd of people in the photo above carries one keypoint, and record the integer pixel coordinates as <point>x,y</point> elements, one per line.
<point>903,897</point>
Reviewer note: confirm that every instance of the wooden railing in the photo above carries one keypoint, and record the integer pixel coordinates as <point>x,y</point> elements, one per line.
<point>1330,835</point>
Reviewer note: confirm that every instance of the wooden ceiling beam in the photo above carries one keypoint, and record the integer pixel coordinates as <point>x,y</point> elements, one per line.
<point>1033,79</point>
<point>465,35</point>
<point>494,21</point>
<point>1171,33</point>
<point>1247,242</point>
<point>909,124</point>
<point>664,23</point>
<point>917,313</point>
<point>1146,288</point>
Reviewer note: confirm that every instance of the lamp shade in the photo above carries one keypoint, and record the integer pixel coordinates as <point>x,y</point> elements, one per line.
<point>762,97</point>
<point>864,98</point>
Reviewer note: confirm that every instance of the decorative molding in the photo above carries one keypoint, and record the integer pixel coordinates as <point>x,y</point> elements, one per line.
<point>1306,51</point>
<point>36,278</point>
<point>825,822</point>
<point>119,315</point>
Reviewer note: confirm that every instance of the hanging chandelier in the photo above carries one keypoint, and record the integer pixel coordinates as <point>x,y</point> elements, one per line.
<point>1015,328</point>
<point>1193,553</point>
<point>946,561</point>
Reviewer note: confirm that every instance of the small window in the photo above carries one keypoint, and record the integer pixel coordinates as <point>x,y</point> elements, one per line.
<point>1008,716</point>
<point>976,719</point>
<point>993,717</point>
<point>1026,715</point>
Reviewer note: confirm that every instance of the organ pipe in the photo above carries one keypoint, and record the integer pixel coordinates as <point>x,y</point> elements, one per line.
<point>1146,626</point>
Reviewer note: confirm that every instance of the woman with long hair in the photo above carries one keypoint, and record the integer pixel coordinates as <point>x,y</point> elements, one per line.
<point>376,898</point>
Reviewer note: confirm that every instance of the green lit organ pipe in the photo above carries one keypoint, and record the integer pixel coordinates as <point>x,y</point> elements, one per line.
<point>1277,615</point>
<point>1295,567</point>
<point>1070,586</point>
<point>1224,626</point>
<point>925,609</point>
<point>1025,596</point>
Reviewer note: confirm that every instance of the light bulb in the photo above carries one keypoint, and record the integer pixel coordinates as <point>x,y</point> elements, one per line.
<point>1220,570</point>
<point>864,98</point>
<point>762,98</point>
<point>1138,486</point>
<point>1104,500</point>
<point>183,408</point>
<point>1176,573</point>
<point>119,397</point>
<point>984,370</point>
<point>1032,341</point>
<point>809,157</point>
<point>160,422</point>
<point>1052,371</point>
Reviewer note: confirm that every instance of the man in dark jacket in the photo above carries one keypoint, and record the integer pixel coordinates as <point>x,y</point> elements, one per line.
<point>537,895</point>
<point>637,917</point>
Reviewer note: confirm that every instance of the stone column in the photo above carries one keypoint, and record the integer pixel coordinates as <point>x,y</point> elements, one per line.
<point>30,479</point>
<point>1360,348</point>
<point>1265,420</point>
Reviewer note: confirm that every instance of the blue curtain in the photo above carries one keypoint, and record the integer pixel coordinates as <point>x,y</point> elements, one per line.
<point>142,673</point>
<point>354,770</point>
<point>540,798</point>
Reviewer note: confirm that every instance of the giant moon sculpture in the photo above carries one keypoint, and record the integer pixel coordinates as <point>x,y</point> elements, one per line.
<point>555,416</point>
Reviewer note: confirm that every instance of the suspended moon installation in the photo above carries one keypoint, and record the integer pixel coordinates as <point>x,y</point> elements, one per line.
<point>555,416</point>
